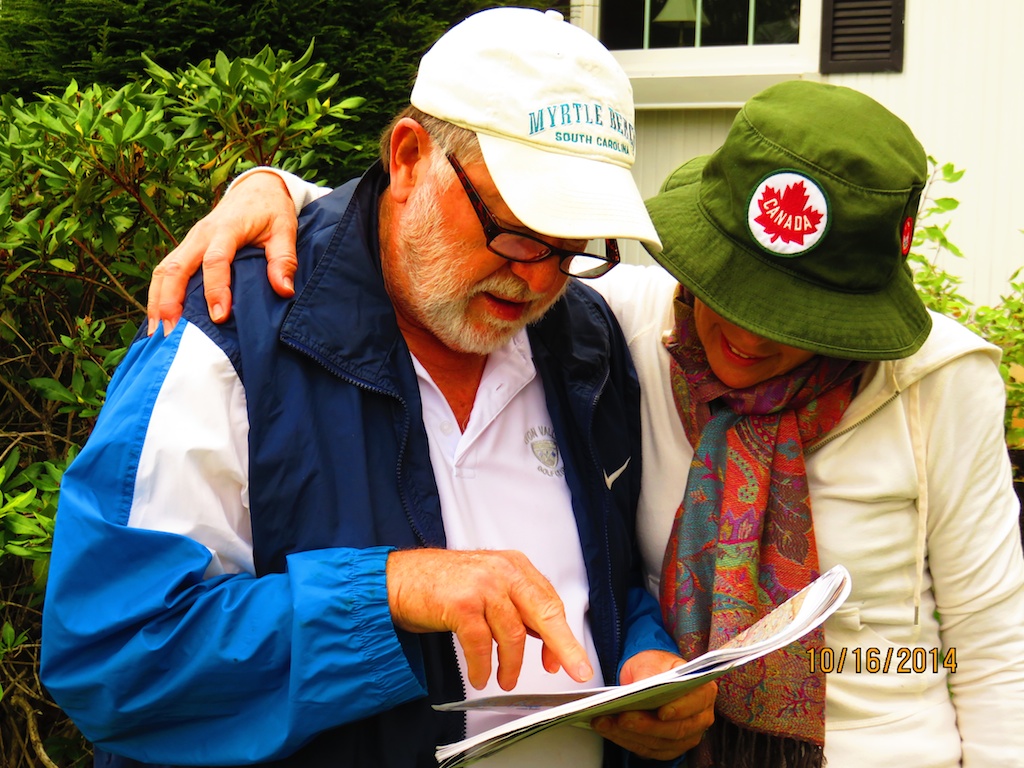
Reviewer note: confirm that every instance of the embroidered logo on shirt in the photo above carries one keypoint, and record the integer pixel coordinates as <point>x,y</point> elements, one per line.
<point>542,442</point>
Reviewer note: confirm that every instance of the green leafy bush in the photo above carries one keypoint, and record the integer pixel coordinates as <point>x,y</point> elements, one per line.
<point>96,185</point>
<point>1001,324</point>
<point>375,45</point>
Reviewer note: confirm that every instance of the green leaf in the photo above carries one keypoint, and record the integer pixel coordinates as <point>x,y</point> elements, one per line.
<point>127,332</point>
<point>9,465</point>
<point>18,272</point>
<point>223,68</point>
<point>235,73</point>
<point>194,129</point>
<point>302,90</point>
<point>86,117</point>
<point>950,174</point>
<point>220,174</point>
<point>19,551</point>
<point>132,126</point>
<point>20,501</point>
<point>156,70</point>
<point>23,526</point>
<point>62,264</point>
<point>352,102</point>
<point>52,390</point>
<point>115,102</point>
<point>307,56</point>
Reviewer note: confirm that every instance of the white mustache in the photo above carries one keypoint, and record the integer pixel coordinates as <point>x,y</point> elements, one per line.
<point>508,287</point>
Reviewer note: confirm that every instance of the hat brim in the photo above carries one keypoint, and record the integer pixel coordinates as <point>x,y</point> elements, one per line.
<point>741,285</point>
<point>568,196</point>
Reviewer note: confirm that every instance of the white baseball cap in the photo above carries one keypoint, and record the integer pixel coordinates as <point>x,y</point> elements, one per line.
<point>553,111</point>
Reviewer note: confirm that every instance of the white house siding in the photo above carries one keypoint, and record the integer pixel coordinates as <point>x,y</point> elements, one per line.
<point>666,139</point>
<point>961,91</point>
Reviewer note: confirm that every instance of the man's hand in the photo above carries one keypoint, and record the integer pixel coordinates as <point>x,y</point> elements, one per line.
<point>670,731</point>
<point>484,597</point>
<point>258,211</point>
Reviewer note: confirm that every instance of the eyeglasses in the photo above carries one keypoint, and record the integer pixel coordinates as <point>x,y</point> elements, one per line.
<point>527,249</point>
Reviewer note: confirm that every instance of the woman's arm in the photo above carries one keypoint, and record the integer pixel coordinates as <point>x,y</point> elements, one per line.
<point>259,208</point>
<point>974,556</point>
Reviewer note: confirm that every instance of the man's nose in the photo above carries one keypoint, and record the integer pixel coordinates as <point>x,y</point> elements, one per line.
<point>541,276</point>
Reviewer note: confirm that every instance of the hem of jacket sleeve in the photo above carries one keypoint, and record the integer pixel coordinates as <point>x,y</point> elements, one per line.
<point>341,613</point>
<point>644,628</point>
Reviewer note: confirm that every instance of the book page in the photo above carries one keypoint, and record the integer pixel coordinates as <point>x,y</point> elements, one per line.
<point>787,623</point>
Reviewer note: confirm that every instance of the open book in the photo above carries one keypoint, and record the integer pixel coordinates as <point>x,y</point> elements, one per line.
<point>786,624</point>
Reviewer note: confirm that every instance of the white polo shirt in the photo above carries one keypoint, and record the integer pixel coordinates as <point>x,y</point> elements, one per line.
<point>502,486</point>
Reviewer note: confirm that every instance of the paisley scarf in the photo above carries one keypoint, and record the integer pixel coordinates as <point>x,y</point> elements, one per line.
<point>743,543</point>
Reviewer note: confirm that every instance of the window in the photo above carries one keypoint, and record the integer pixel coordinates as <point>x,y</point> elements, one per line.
<point>743,47</point>
<point>645,24</point>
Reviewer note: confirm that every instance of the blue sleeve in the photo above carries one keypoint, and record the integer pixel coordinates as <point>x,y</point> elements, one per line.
<point>644,628</point>
<point>155,660</point>
<point>645,632</point>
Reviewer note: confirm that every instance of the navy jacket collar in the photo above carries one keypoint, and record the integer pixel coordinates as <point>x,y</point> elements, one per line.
<point>342,314</point>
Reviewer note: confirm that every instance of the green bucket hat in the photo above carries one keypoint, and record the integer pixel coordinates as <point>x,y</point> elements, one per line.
<point>798,227</point>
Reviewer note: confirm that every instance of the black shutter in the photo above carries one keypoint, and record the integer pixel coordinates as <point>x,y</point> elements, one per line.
<point>862,36</point>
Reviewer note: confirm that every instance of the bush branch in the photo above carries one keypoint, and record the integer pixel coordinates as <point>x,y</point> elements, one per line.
<point>33,731</point>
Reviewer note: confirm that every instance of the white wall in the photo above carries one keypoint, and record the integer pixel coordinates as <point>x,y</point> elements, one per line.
<point>961,91</point>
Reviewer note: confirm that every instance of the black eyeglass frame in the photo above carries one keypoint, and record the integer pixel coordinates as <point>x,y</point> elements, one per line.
<point>493,230</point>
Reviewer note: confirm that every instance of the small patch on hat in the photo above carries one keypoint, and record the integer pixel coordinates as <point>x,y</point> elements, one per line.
<point>907,237</point>
<point>788,213</point>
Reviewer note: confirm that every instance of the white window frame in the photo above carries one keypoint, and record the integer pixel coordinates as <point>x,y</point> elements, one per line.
<point>713,77</point>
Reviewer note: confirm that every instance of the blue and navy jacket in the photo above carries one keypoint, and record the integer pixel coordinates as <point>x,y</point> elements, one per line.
<point>161,656</point>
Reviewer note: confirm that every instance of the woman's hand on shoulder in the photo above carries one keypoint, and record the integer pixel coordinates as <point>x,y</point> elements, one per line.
<point>258,211</point>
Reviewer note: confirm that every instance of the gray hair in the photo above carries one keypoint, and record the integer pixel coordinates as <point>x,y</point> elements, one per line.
<point>450,138</point>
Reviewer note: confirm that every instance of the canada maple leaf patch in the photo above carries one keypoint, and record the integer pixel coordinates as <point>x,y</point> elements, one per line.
<point>788,213</point>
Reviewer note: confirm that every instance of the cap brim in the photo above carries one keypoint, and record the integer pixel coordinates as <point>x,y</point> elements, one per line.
<point>739,284</point>
<point>568,196</point>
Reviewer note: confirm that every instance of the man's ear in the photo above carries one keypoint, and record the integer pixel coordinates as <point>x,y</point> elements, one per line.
<point>411,146</point>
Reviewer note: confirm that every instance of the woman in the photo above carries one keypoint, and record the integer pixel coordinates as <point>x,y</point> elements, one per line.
<point>824,417</point>
<point>835,421</point>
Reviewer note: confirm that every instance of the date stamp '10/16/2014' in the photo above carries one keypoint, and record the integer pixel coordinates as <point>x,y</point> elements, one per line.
<point>902,660</point>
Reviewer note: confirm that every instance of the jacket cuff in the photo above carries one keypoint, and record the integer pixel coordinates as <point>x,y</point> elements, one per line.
<point>341,614</point>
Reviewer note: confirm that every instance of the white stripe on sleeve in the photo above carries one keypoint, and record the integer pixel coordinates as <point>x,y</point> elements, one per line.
<point>193,475</point>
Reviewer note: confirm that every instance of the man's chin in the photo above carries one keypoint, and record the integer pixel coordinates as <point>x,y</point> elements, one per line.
<point>478,342</point>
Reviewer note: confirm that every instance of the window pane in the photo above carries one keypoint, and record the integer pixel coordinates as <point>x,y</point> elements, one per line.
<point>630,24</point>
<point>727,23</point>
<point>777,22</point>
<point>622,24</point>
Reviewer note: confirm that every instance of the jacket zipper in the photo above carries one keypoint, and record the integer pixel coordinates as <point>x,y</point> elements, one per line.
<point>462,683</point>
<point>849,427</point>
<point>616,622</point>
<point>334,370</point>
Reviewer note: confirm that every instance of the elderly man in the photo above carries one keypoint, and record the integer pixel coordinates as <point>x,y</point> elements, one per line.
<point>278,525</point>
